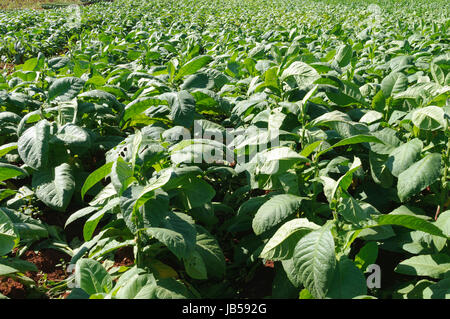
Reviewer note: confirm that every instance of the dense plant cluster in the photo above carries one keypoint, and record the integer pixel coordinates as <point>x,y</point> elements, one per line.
<point>296,142</point>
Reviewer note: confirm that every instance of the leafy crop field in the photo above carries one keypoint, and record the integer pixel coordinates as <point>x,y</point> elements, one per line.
<point>33,4</point>
<point>225,149</point>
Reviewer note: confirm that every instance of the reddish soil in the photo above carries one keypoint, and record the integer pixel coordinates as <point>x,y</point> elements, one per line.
<point>46,261</point>
<point>12,289</point>
<point>124,257</point>
<point>7,66</point>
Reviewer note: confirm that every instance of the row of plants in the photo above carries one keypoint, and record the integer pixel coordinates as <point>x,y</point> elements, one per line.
<point>221,139</point>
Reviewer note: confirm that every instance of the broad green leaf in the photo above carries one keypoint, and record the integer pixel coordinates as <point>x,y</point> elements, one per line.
<point>211,253</point>
<point>8,171</point>
<point>367,255</point>
<point>121,172</point>
<point>95,177</point>
<point>14,265</point>
<point>443,222</point>
<point>275,211</point>
<point>350,209</point>
<point>348,281</point>
<point>170,288</point>
<point>435,266</point>
<point>182,107</point>
<point>195,266</point>
<point>33,145</point>
<point>348,93</point>
<point>379,171</point>
<point>308,149</point>
<point>74,136</point>
<point>281,245</point>
<point>401,158</point>
<point>8,234</point>
<point>6,148</point>
<point>176,233</point>
<point>291,272</point>
<point>101,97</point>
<point>140,105</point>
<point>429,118</point>
<point>55,186</point>
<point>411,222</point>
<point>439,290</point>
<point>394,83</point>
<point>138,287</point>
<point>195,193</point>
<point>315,261</point>
<point>193,66</point>
<point>418,176</point>
<point>437,73</point>
<point>65,89</point>
<point>92,277</point>
<point>92,222</point>
<point>353,140</point>
<point>343,55</point>
<point>172,239</point>
<point>80,214</point>
<point>345,180</point>
<point>303,73</point>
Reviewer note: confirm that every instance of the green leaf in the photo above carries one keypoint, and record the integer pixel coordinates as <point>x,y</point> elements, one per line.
<point>33,145</point>
<point>55,186</point>
<point>394,83</point>
<point>182,107</point>
<point>348,281</point>
<point>343,55</point>
<point>176,233</point>
<point>437,73</point>
<point>443,222</point>
<point>8,234</point>
<point>402,157</point>
<point>409,221</point>
<point>121,173</point>
<point>170,288</point>
<point>95,177</point>
<point>92,222</point>
<point>350,209</point>
<point>65,89</point>
<point>195,266</point>
<point>101,97</point>
<point>379,171</point>
<point>14,265</point>
<point>275,211</point>
<point>73,135</point>
<point>138,287</point>
<point>308,149</point>
<point>8,171</point>
<point>315,261</point>
<point>140,105</point>
<point>92,277</point>
<point>440,290</point>
<point>303,73</point>
<point>429,118</point>
<point>209,249</point>
<point>367,255</point>
<point>418,176</point>
<point>6,148</point>
<point>80,214</point>
<point>195,193</point>
<point>193,66</point>
<point>281,245</point>
<point>435,266</point>
<point>348,93</point>
<point>353,140</point>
